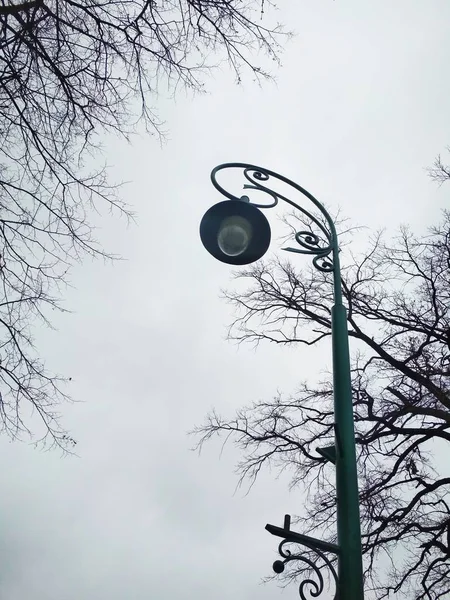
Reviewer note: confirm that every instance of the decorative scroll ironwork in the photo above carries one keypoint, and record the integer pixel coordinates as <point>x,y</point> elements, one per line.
<point>321,245</point>
<point>308,588</point>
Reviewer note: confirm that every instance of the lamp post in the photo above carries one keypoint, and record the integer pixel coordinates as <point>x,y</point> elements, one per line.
<point>235,231</point>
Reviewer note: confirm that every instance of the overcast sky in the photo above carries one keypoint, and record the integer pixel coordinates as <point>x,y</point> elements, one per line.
<point>359,109</point>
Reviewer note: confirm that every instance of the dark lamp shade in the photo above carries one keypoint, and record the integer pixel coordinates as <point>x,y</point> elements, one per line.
<point>235,232</point>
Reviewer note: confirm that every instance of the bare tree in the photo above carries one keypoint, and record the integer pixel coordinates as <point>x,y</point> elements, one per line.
<point>69,72</point>
<point>398,298</point>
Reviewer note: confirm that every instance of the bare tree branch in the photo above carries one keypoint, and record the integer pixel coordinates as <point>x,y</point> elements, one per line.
<point>440,171</point>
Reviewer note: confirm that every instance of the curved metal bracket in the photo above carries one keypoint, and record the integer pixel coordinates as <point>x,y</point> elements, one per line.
<point>314,587</point>
<point>321,244</point>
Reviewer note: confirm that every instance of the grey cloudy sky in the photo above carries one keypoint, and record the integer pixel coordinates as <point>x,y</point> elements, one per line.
<point>359,108</point>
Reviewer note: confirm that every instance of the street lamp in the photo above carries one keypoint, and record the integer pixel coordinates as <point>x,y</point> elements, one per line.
<point>236,232</point>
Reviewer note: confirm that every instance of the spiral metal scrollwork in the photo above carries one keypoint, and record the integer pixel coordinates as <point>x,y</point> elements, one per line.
<point>309,587</point>
<point>320,244</point>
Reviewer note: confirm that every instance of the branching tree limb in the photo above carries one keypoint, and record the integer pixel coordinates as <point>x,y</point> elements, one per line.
<point>440,171</point>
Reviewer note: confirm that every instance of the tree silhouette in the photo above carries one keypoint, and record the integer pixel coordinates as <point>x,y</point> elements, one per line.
<point>69,72</point>
<point>398,298</point>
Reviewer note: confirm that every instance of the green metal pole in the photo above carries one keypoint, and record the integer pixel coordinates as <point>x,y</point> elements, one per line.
<point>350,570</point>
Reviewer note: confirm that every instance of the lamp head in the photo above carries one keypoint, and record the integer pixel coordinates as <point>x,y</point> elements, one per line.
<point>235,232</point>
